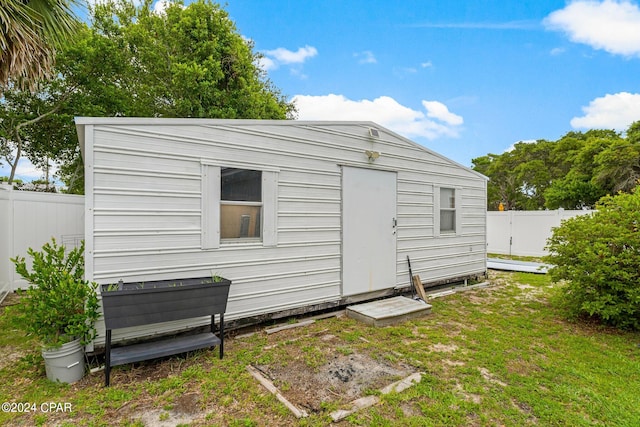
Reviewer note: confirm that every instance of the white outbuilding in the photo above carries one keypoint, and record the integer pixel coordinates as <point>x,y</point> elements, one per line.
<point>300,215</point>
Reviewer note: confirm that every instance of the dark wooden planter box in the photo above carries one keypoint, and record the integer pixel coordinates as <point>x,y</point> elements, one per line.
<point>136,304</point>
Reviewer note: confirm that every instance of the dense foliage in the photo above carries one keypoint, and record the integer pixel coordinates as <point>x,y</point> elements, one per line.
<point>598,256</point>
<point>189,61</point>
<point>59,305</point>
<point>185,62</point>
<point>573,172</point>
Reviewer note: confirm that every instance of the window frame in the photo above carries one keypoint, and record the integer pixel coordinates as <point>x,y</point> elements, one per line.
<point>212,202</point>
<point>440,207</point>
<point>259,204</point>
<point>445,208</point>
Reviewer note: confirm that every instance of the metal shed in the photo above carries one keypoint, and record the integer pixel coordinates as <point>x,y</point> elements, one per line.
<point>300,215</point>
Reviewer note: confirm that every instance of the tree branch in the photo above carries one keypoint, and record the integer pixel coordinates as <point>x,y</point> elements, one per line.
<point>35,120</point>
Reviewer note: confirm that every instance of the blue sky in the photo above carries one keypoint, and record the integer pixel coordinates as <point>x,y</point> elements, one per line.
<point>464,78</point>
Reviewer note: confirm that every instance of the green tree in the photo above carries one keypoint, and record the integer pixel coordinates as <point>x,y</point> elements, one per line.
<point>30,33</point>
<point>533,172</point>
<point>32,125</point>
<point>633,133</point>
<point>597,258</point>
<point>502,186</point>
<point>187,62</point>
<point>579,188</point>
<point>519,177</point>
<point>617,168</point>
<point>573,172</point>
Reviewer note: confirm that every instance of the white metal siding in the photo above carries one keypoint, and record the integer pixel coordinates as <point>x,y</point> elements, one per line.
<point>147,180</point>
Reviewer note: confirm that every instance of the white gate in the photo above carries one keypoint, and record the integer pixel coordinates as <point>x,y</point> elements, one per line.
<point>368,230</point>
<point>523,233</point>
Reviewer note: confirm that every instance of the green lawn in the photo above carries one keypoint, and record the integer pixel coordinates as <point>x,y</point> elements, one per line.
<point>501,355</point>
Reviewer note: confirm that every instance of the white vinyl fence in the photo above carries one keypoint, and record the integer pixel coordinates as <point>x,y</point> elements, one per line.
<point>28,220</point>
<point>523,233</point>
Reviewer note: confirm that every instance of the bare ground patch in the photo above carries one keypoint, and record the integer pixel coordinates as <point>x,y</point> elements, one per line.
<point>343,378</point>
<point>443,348</point>
<point>185,410</point>
<point>10,355</point>
<point>488,376</point>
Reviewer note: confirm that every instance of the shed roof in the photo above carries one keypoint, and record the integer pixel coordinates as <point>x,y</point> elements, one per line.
<point>81,122</point>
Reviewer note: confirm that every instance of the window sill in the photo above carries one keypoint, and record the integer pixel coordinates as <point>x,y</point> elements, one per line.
<point>231,243</point>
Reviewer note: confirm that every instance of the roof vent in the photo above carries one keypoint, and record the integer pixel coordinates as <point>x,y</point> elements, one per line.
<point>374,132</point>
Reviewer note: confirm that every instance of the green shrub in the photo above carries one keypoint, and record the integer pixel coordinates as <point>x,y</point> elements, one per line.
<point>59,305</point>
<point>598,256</point>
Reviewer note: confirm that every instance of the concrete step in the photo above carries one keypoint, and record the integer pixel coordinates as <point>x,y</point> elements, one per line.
<point>388,311</point>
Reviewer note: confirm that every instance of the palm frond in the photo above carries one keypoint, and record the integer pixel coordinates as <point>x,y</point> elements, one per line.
<point>30,33</point>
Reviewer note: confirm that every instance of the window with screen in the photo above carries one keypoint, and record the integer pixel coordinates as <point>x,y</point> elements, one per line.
<point>240,204</point>
<point>447,210</point>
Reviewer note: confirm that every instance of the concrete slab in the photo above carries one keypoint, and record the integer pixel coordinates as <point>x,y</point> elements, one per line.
<point>388,311</point>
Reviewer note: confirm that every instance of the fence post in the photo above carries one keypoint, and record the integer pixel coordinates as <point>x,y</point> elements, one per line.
<point>6,239</point>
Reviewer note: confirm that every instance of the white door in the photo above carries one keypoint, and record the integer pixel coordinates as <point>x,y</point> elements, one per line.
<point>368,230</point>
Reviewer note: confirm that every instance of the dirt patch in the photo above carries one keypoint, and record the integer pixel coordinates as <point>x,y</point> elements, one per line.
<point>160,418</point>
<point>10,298</point>
<point>186,409</point>
<point>530,293</point>
<point>443,348</point>
<point>488,376</point>
<point>410,410</point>
<point>10,355</point>
<point>454,363</point>
<point>521,367</point>
<point>340,380</point>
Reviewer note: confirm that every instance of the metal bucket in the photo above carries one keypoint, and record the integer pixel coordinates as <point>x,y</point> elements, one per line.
<point>65,364</point>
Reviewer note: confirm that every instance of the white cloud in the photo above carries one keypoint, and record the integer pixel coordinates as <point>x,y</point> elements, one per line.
<point>557,51</point>
<point>366,57</point>
<point>439,111</point>
<point>610,25</point>
<point>436,122</point>
<point>267,63</point>
<point>615,111</point>
<point>286,56</point>
<point>426,64</point>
